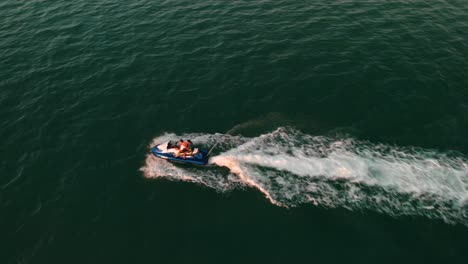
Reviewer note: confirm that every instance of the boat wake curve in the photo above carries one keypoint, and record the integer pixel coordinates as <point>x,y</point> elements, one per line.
<point>292,168</point>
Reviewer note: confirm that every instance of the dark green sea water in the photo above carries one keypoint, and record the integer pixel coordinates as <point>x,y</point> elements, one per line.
<point>347,121</point>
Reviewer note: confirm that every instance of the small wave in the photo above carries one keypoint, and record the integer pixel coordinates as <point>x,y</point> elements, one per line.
<point>292,168</point>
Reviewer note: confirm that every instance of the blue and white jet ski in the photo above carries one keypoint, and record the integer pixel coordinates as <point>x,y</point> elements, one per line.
<point>169,151</point>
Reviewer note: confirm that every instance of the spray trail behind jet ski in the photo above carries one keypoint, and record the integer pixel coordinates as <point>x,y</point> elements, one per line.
<point>291,168</point>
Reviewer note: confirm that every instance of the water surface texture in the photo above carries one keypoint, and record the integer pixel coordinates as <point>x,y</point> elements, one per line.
<point>342,130</point>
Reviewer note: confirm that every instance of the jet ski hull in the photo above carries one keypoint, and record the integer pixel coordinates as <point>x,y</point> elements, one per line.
<point>161,151</point>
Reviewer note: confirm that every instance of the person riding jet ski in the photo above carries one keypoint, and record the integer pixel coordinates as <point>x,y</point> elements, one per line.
<point>185,147</point>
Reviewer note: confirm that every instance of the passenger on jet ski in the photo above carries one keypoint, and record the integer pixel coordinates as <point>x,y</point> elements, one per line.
<point>178,144</point>
<point>185,147</point>
<point>171,145</point>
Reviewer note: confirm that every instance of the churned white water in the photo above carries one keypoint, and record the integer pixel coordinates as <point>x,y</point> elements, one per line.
<point>292,168</point>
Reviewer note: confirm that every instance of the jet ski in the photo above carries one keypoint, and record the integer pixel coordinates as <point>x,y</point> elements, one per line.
<point>170,150</point>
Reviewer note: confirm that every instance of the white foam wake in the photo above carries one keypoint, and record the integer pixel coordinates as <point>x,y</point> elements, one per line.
<point>292,168</point>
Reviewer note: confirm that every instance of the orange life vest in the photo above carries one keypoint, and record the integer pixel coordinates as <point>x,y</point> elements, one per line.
<point>184,145</point>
